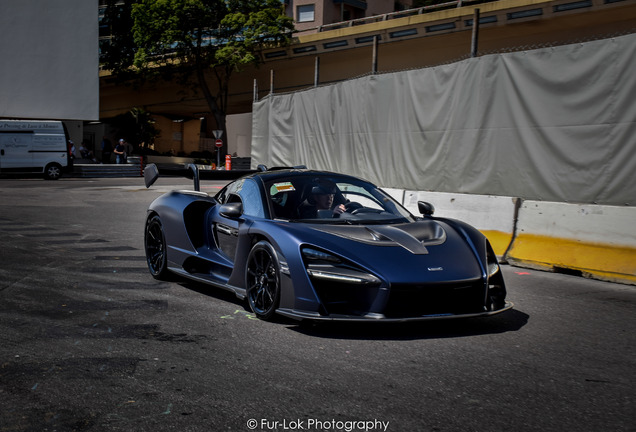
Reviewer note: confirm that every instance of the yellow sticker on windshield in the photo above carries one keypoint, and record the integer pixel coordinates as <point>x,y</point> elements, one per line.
<point>284,187</point>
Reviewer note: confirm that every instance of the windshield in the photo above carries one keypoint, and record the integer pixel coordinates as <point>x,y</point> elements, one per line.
<point>329,198</point>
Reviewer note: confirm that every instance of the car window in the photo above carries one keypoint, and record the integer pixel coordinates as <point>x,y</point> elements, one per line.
<point>294,198</point>
<point>252,200</point>
<point>353,193</point>
<point>232,188</point>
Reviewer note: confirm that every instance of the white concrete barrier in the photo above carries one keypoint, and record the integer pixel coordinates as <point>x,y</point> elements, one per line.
<point>396,194</point>
<point>598,241</point>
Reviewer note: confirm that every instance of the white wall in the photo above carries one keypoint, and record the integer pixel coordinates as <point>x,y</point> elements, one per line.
<point>239,130</point>
<point>50,60</point>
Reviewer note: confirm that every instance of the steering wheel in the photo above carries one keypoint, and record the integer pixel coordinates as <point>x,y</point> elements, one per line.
<point>352,206</point>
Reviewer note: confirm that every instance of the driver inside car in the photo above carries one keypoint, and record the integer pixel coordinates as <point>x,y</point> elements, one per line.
<point>321,202</point>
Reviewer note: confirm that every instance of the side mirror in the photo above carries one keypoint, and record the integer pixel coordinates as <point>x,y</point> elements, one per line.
<point>425,208</point>
<point>151,174</point>
<point>231,210</point>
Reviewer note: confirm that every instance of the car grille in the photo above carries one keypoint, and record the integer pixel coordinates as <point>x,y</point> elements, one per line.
<point>405,300</point>
<point>345,299</point>
<point>419,300</point>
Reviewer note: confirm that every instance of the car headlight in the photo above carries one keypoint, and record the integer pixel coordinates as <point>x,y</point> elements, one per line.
<point>315,255</point>
<point>342,275</point>
<point>493,268</point>
<point>330,268</point>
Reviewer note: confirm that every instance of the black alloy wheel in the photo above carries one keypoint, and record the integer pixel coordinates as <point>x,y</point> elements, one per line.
<point>263,280</point>
<point>155,243</point>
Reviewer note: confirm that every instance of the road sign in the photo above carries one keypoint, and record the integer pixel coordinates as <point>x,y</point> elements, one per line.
<point>218,143</point>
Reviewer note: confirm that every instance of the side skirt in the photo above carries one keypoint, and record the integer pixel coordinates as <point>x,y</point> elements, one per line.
<point>239,292</point>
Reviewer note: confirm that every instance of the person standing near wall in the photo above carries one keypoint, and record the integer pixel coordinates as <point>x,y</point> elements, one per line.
<point>71,152</point>
<point>120,152</point>
<point>128,149</point>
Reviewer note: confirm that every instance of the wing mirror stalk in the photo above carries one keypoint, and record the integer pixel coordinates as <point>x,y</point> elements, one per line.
<point>195,176</point>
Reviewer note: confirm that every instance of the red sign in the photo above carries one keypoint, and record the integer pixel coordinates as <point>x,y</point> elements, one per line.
<point>218,143</point>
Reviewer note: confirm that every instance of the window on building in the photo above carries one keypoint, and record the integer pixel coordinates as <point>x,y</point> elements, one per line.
<point>306,13</point>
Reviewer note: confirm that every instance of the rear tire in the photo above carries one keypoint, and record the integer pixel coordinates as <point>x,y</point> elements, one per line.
<point>156,249</point>
<point>262,280</point>
<point>52,171</point>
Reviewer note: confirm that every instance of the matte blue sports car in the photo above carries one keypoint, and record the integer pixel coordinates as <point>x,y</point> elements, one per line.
<point>323,246</point>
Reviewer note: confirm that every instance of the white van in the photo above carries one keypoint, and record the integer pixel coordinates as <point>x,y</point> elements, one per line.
<point>33,146</point>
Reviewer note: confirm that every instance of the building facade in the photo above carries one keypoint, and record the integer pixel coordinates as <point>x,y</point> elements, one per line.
<point>311,15</point>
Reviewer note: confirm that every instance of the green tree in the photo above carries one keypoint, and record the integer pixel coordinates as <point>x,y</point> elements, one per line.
<point>203,42</point>
<point>117,45</point>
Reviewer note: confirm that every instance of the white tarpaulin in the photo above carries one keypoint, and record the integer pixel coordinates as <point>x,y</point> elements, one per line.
<point>554,124</point>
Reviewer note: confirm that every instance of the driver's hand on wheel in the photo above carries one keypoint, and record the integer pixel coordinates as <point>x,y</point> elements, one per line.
<point>338,210</point>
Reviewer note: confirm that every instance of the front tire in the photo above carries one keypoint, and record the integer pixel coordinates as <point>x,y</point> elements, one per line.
<point>155,244</point>
<point>52,171</point>
<point>262,280</point>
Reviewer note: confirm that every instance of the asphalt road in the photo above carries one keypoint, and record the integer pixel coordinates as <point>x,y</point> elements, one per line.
<point>90,342</point>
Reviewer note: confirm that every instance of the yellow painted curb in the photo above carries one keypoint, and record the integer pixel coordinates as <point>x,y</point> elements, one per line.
<point>600,261</point>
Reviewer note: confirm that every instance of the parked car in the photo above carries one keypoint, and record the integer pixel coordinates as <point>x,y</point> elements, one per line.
<point>365,258</point>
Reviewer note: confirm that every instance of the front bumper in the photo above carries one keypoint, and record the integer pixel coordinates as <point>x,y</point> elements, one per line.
<point>375,317</point>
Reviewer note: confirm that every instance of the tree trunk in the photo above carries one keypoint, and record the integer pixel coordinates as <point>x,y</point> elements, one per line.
<point>217,112</point>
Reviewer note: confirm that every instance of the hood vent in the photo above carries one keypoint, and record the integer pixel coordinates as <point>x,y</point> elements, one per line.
<point>414,237</point>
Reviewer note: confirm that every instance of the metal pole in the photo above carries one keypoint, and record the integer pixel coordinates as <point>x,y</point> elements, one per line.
<point>317,72</point>
<point>475,40</point>
<point>271,82</point>
<point>195,176</point>
<point>255,91</point>
<point>374,64</point>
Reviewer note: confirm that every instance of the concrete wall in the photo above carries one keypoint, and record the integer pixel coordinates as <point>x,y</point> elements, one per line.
<point>599,241</point>
<point>177,137</point>
<point>185,136</point>
<point>239,130</point>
